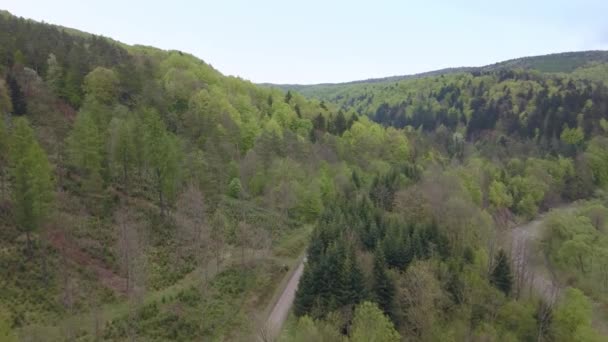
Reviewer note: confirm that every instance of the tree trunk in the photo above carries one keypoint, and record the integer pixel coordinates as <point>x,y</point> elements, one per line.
<point>28,244</point>
<point>161,201</point>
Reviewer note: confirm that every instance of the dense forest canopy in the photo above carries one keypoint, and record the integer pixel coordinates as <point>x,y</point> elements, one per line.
<point>144,195</point>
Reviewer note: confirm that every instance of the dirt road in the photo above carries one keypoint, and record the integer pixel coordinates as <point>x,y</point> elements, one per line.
<point>531,267</point>
<point>279,312</point>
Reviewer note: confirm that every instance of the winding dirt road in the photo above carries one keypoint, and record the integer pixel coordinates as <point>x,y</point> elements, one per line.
<point>279,312</point>
<point>532,269</point>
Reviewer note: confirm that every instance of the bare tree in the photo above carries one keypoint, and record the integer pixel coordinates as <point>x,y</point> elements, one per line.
<point>218,235</point>
<point>193,231</point>
<point>520,261</point>
<point>132,261</point>
<point>68,300</point>
<point>244,237</point>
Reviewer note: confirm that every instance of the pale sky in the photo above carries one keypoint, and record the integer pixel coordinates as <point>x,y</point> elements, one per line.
<point>318,41</point>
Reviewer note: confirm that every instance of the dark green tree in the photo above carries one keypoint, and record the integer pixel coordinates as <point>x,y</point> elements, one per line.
<point>352,285</point>
<point>17,96</point>
<point>382,286</point>
<point>306,293</point>
<point>501,276</point>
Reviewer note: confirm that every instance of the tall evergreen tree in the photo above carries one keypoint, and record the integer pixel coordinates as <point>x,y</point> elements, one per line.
<point>352,285</point>
<point>501,276</point>
<point>382,287</point>
<point>305,294</point>
<point>17,96</point>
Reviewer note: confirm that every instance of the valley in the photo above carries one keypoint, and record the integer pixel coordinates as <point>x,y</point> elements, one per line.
<point>147,196</point>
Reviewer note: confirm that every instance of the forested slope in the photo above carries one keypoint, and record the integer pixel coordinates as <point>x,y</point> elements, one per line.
<point>147,196</point>
<point>143,190</point>
<point>558,63</point>
<point>428,241</point>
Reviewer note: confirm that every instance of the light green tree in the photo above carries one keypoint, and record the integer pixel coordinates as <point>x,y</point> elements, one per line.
<point>122,149</point>
<point>162,155</point>
<point>84,146</point>
<point>102,84</point>
<point>371,325</point>
<point>308,329</point>
<point>573,317</point>
<point>572,136</point>
<point>32,180</point>
<point>499,195</point>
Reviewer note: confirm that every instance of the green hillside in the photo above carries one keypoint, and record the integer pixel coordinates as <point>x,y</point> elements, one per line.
<point>567,62</point>
<point>146,196</point>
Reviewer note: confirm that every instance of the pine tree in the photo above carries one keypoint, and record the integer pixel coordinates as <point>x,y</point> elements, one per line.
<point>501,276</point>
<point>32,180</point>
<point>17,96</point>
<point>382,286</point>
<point>234,188</point>
<point>352,286</point>
<point>305,294</point>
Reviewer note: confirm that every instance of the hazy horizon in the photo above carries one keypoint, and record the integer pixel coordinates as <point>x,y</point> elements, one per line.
<point>338,42</point>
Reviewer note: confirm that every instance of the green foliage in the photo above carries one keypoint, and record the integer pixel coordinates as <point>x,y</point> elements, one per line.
<point>162,155</point>
<point>499,195</point>
<point>572,319</point>
<point>32,179</point>
<point>102,84</point>
<point>597,154</point>
<point>6,106</point>
<point>572,136</point>
<point>400,179</point>
<point>308,329</point>
<point>234,188</point>
<point>370,324</point>
<point>6,332</point>
<point>84,145</point>
<point>383,288</point>
<point>501,276</point>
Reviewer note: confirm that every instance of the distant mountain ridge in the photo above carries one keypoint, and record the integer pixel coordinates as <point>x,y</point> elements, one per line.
<point>551,63</point>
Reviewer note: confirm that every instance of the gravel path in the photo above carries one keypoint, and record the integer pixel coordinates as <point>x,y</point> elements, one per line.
<point>279,312</point>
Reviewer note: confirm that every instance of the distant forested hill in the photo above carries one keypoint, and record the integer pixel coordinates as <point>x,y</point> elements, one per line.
<point>566,62</point>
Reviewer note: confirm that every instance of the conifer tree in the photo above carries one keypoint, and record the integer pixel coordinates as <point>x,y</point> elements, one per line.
<point>501,276</point>
<point>305,294</point>
<point>352,286</point>
<point>17,97</point>
<point>382,287</point>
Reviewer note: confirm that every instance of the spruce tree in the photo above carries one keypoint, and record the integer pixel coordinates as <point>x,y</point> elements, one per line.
<point>17,96</point>
<point>305,294</point>
<point>501,276</point>
<point>352,286</point>
<point>383,289</point>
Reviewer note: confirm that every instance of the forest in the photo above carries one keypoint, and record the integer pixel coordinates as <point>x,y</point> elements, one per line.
<point>146,196</point>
